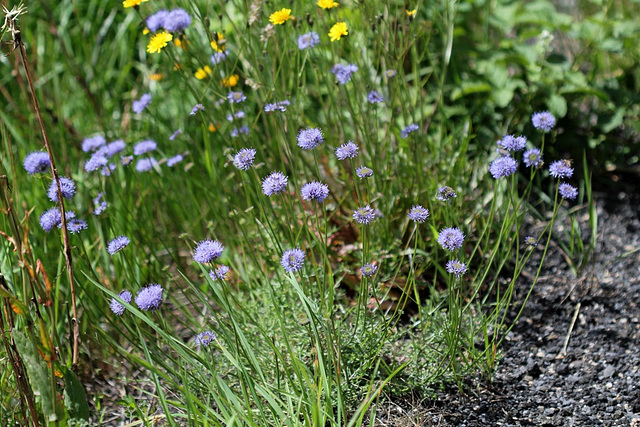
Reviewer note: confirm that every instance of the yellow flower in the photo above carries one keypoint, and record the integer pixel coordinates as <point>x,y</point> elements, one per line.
<point>159,41</point>
<point>327,4</point>
<point>132,3</point>
<point>338,30</point>
<point>219,44</point>
<point>230,81</point>
<point>212,128</point>
<point>156,77</point>
<point>203,72</point>
<point>280,17</point>
<point>145,31</point>
<point>411,13</point>
<point>181,42</point>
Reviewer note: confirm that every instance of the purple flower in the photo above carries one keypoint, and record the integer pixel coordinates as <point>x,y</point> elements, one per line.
<point>149,298</point>
<point>390,73</point>
<point>309,40</point>
<point>374,97</point>
<point>156,21</point>
<point>244,158</point>
<point>36,162</point>
<point>513,143</point>
<point>456,267</point>
<point>176,20</point>
<point>219,273</point>
<point>99,205</point>
<point>409,129</point>
<point>310,138</point>
<point>543,121</point>
<point>76,225</point>
<point>364,172</point>
<point>175,134</point>
<point>347,151</point>
<point>292,260</point>
<point>50,219</point>
<point>218,57</point>
<point>237,115</point>
<point>418,214</point>
<point>205,338</point>
<point>144,147</point>
<point>140,105</point>
<point>343,72</point>
<point>568,191</point>
<point>368,270</point>
<point>280,106</point>
<point>117,244</point>
<point>364,215</point>
<point>531,242</point>
<point>95,162</point>
<point>175,160</point>
<point>236,97</point>
<point>207,250</point>
<point>67,187</point>
<point>93,143</point>
<point>126,160</point>
<point>274,183</point>
<point>196,108</point>
<point>116,306</point>
<point>106,171</point>
<point>445,193</point>
<point>561,169</point>
<point>114,148</point>
<point>532,158</point>
<point>235,132</point>
<point>145,165</point>
<point>503,167</point>
<point>451,238</point>
<point>315,191</point>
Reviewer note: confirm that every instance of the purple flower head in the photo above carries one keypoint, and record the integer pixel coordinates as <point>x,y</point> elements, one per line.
<point>207,250</point>
<point>76,225</point>
<point>145,165</point>
<point>156,21</point>
<point>315,191</point>
<point>117,244</point>
<point>445,194</point>
<point>99,205</point>
<point>175,160</point>
<point>364,172</point>
<point>513,143</point>
<point>374,97</point>
<point>274,183</point>
<point>292,260</point>
<point>218,57</point>
<point>310,138</point>
<point>235,132</point>
<point>531,242</point>
<point>244,158</point>
<point>368,270</point>
<point>456,267</point>
<point>205,338</point>
<point>114,148</point>
<point>50,219</point>
<point>390,73</point>
<point>364,215</point>
<point>141,104</point>
<point>93,143</point>
<point>176,20</point>
<point>106,171</point>
<point>451,238</point>
<point>219,273</point>
<point>568,191</point>
<point>67,186</point>
<point>543,121</point>
<point>126,160</point>
<point>116,306</point>
<point>418,214</point>
<point>503,166</point>
<point>144,147</point>
<point>347,151</point>
<point>95,162</point>
<point>175,134</point>
<point>343,72</point>
<point>196,108</point>
<point>236,97</point>
<point>149,298</point>
<point>561,169</point>
<point>36,162</point>
<point>408,130</point>
<point>532,158</point>
<point>309,40</point>
<point>280,106</point>
<point>237,115</point>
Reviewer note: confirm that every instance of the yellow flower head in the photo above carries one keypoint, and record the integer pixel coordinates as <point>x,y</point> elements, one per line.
<point>280,17</point>
<point>338,30</point>
<point>212,127</point>
<point>230,81</point>
<point>411,13</point>
<point>132,3</point>
<point>203,72</point>
<point>219,44</point>
<point>145,31</point>
<point>156,77</point>
<point>327,4</point>
<point>159,41</point>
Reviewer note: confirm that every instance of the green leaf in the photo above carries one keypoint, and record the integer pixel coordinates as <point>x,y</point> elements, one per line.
<point>75,399</point>
<point>557,105</point>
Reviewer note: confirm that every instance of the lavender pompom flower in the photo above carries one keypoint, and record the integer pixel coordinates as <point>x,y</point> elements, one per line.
<point>451,238</point>
<point>503,167</point>
<point>513,143</point>
<point>97,161</point>
<point>292,260</point>
<point>99,205</point>
<point>364,215</point>
<point>144,147</point>
<point>368,269</point>
<point>531,242</point>
<point>308,41</point>
<point>532,158</point>
<point>67,187</point>
<point>390,73</point>
<point>116,306</point>
<point>418,214</point>
<point>156,21</point>
<point>274,183</point>
<point>374,97</point>
<point>50,219</point>
<point>456,267</point>
<point>280,106</point>
<point>118,244</point>
<point>347,151</point>
<point>445,193</point>
<point>177,20</point>
<point>543,121</point>
<point>141,104</point>
<point>568,191</point>
<point>244,158</point>
<point>561,169</point>
<point>236,97</point>
<point>408,130</point>
<point>114,148</point>
<point>235,132</point>
<point>145,165</point>
<point>207,250</point>
<point>205,338</point>
<point>219,273</point>
<point>76,225</point>
<point>364,172</point>
<point>196,108</point>
<point>93,143</point>
<point>175,134</point>
<point>343,72</point>
<point>149,298</point>
<point>175,160</point>
<point>36,162</point>
<point>218,57</point>
<point>310,138</point>
<point>314,191</point>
